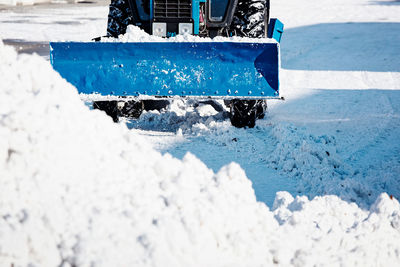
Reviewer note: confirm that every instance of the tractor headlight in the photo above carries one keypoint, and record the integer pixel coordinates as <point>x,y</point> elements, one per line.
<point>160,29</point>
<point>185,28</point>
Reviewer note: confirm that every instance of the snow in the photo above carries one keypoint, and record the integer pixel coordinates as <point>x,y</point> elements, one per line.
<point>135,34</point>
<point>68,201</point>
<point>315,183</point>
<point>43,23</point>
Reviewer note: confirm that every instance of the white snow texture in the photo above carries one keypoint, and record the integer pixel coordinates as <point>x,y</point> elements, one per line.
<point>79,190</point>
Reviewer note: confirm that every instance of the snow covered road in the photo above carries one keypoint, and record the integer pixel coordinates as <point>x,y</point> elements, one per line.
<point>30,28</point>
<point>341,81</point>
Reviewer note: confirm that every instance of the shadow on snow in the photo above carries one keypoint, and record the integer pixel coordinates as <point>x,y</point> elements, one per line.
<point>342,47</point>
<point>387,2</point>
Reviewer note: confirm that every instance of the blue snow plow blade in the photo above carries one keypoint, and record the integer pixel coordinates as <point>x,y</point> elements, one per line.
<point>217,69</point>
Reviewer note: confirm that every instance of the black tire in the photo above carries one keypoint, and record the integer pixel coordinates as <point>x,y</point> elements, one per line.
<point>129,109</point>
<point>109,107</point>
<point>116,109</point>
<point>251,18</point>
<point>244,113</point>
<point>157,104</point>
<point>119,17</point>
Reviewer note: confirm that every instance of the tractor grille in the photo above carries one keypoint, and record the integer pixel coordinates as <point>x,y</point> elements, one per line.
<point>172,9</point>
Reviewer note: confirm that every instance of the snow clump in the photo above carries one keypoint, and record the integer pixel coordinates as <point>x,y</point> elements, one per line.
<point>136,34</point>
<point>79,190</point>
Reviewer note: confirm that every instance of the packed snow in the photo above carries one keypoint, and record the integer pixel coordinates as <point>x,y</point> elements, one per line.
<point>316,182</point>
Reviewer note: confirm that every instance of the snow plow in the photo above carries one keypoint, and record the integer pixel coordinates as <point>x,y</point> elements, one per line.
<point>136,76</point>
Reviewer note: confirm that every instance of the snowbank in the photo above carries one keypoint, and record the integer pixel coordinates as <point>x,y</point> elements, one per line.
<point>79,190</point>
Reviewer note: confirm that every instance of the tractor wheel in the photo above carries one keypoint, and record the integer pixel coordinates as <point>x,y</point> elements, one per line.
<point>116,109</point>
<point>109,107</point>
<point>244,113</point>
<point>251,18</point>
<point>130,109</point>
<point>119,17</point>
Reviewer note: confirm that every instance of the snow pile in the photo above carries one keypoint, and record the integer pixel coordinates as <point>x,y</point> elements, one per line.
<point>328,232</point>
<point>189,116</point>
<point>135,34</point>
<point>314,162</point>
<point>78,190</point>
